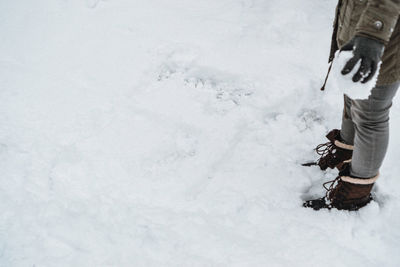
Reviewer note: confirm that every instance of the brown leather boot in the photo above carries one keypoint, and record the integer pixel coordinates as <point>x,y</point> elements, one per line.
<point>344,193</point>
<point>334,154</point>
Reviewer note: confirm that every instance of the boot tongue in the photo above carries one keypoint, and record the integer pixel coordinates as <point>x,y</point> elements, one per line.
<point>334,135</point>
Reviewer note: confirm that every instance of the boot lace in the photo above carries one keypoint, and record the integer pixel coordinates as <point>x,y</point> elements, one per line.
<point>325,149</point>
<point>332,189</point>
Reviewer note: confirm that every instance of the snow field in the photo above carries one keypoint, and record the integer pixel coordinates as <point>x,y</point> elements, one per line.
<point>169,133</point>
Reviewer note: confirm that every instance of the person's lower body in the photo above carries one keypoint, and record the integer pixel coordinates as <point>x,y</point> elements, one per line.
<point>365,126</point>
<point>357,150</point>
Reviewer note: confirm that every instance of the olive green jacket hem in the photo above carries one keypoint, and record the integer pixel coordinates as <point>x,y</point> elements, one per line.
<point>377,19</point>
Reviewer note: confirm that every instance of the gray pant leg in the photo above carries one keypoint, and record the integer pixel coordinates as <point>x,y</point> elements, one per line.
<point>347,130</point>
<point>371,125</point>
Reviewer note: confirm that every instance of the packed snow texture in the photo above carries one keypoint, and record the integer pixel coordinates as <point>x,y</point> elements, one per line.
<point>343,84</point>
<point>170,133</point>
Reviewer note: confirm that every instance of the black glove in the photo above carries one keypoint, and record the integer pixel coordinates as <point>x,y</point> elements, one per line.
<point>369,51</point>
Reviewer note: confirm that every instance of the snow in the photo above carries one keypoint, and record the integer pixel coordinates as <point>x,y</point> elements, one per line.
<point>343,84</point>
<point>169,133</point>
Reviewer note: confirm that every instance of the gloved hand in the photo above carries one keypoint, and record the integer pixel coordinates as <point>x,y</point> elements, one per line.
<point>369,51</point>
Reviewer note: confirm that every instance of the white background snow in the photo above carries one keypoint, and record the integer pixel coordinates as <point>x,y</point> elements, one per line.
<point>169,133</point>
